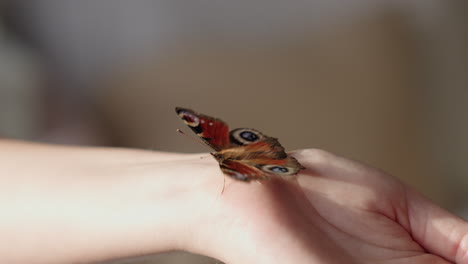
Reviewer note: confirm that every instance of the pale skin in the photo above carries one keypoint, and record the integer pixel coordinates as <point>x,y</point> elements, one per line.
<point>63,204</point>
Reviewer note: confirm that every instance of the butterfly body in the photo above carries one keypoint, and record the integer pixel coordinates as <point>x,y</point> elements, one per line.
<point>244,154</point>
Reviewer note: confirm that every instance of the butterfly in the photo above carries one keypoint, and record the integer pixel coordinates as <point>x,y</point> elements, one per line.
<point>243,154</point>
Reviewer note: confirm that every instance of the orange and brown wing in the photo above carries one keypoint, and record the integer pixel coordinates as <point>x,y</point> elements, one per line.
<point>244,154</point>
<point>260,169</point>
<point>238,170</point>
<point>255,156</point>
<point>213,131</point>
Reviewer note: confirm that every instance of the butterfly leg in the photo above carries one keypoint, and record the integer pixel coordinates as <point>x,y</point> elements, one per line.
<point>224,183</point>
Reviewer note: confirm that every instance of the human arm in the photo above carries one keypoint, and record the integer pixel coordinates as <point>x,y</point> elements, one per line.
<point>73,204</point>
<point>64,204</point>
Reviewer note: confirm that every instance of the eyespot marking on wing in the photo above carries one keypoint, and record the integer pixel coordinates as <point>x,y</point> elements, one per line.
<point>276,169</point>
<point>245,136</point>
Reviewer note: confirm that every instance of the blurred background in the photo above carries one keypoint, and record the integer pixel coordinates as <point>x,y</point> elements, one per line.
<point>384,82</point>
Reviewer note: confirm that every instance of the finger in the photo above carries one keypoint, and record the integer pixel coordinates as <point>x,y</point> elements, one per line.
<point>438,231</point>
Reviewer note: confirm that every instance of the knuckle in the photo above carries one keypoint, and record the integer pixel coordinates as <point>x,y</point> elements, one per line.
<point>317,155</point>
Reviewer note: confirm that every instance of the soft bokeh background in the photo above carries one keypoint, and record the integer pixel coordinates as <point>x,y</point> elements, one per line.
<point>385,82</point>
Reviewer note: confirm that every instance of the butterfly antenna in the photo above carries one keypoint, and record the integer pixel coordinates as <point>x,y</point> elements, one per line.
<point>192,138</point>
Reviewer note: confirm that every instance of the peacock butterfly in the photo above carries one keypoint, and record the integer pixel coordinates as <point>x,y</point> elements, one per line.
<point>244,154</point>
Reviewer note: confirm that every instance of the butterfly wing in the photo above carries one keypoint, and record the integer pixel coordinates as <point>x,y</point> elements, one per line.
<point>260,169</point>
<point>213,131</point>
<point>244,154</point>
<point>255,156</point>
<point>241,171</point>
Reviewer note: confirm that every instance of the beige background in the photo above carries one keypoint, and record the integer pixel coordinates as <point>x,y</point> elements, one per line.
<point>384,82</point>
<point>357,90</point>
<point>353,90</point>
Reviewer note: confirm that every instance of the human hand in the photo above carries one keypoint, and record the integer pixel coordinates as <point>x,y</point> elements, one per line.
<point>340,212</point>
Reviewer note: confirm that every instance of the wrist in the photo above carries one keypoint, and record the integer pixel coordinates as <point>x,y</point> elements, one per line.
<point>74,204</point>
<point>146,204</point>
<point>159,203</point>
